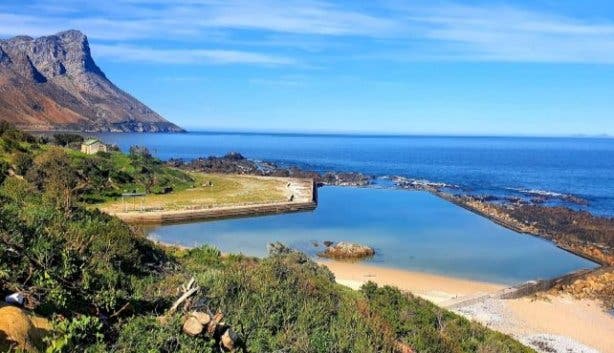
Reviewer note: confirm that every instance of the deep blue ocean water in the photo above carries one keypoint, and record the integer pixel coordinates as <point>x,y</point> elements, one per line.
<point>503,166</point>
<point>411,230</point>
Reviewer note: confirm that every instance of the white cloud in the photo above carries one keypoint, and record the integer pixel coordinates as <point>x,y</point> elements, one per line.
<point>303,17</point>
<point>503,33</point>
<point>187,56</point>
<point>403,32</point>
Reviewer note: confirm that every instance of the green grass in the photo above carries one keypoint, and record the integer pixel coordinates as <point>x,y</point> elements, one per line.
<point>211,190</point>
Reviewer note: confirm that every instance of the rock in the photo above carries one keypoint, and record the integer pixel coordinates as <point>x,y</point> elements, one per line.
<point>344,179</point>
<point>192,326</point>
<point>328,243</point>
<point>344,250</point>
<point>19,329</point>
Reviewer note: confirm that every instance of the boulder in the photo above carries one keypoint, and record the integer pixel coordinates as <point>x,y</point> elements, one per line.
<point>22,330</point>
<point>349,251</point>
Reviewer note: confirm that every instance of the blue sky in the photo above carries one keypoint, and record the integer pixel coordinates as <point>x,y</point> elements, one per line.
<point>534,67</point>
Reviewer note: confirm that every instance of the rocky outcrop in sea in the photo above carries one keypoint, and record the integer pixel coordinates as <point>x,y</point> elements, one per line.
<point>235,163</point>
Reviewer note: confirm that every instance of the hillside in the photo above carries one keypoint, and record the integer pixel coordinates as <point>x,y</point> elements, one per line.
<point>53,83</point>
<point>104,287</point>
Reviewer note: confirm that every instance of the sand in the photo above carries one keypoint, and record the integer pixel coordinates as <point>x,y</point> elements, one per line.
<point>436,288</point>
<point>548,324</point>
<point>581,320</point>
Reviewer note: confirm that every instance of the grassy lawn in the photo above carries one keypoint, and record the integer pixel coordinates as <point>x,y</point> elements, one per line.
<point>211,190</point>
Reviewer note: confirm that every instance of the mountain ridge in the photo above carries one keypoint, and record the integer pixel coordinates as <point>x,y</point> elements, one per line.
<point>53,83</point>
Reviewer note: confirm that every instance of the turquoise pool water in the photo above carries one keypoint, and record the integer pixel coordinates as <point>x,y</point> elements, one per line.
<point>409,230</point>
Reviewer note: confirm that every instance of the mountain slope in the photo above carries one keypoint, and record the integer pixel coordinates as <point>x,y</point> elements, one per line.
<point>53,83</point>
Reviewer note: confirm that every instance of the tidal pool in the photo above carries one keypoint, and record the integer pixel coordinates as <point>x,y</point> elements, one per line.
<point>410,230</point>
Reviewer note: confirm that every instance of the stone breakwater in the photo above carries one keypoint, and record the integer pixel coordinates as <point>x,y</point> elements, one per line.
<point>304,198</point>
<point>166,217</point>
<point>580,233</point>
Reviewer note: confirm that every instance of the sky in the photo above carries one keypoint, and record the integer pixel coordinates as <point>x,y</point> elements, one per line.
<point>524,67</point>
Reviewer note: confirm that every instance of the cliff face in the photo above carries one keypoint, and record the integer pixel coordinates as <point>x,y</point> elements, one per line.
<point>53,83</point>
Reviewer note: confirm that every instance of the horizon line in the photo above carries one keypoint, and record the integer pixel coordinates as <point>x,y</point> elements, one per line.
<point>384,134</point>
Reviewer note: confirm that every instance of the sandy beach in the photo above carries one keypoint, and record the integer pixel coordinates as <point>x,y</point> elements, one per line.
<point>546,323</point>
<point>436,288</point>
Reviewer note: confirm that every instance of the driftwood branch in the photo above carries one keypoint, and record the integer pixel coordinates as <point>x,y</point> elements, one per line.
<point>188,291</point>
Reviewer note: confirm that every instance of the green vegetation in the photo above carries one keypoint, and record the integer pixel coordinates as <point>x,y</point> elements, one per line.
<point>104,285</point>
<point>89,178</point>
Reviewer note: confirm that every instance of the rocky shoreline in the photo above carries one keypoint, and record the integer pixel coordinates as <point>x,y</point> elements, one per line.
<point>578,232</point>
<point>235,163</point>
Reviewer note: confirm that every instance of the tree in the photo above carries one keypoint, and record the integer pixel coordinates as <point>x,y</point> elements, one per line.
<point>65,139</point>
<point>53,174</point>
<point>140,152</point>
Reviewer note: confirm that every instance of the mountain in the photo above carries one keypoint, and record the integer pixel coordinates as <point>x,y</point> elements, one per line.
<point>53,83</point>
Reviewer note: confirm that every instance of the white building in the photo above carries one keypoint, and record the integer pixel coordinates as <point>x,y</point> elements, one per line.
<point>93,146</point>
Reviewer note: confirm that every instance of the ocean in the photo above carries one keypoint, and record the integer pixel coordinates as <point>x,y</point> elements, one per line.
<point>500,166</point>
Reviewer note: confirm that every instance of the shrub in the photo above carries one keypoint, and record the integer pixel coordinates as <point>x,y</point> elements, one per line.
<point>66,139</point>
<point>22,162</point>
<point>79,334</point>
<point>165,338</point>
<point>288,302</point>
<point>70,262</point>
<point>4,170</point>
<point>428,328</point>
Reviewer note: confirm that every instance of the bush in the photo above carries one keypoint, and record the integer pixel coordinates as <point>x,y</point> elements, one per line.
<point>68,262</point>
<point>288,302</point>
<point>4,170</point>
<point>428,328</point>
<point>66,139</point>
<point>79,334</point>
<point>22,162</point>
<point>53,174</point>
<point>158,338</point>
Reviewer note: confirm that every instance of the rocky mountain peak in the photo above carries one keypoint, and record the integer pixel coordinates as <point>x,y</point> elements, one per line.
<point>65,53</point>
<point>73,89</point>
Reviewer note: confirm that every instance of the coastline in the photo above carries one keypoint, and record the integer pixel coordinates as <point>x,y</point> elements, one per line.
<point>439,289</point>
<point>559,322</point>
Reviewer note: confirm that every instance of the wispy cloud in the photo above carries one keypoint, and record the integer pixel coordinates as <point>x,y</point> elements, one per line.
<point>229,28</point>
<point>187,56</point>
<point>504,33</point>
